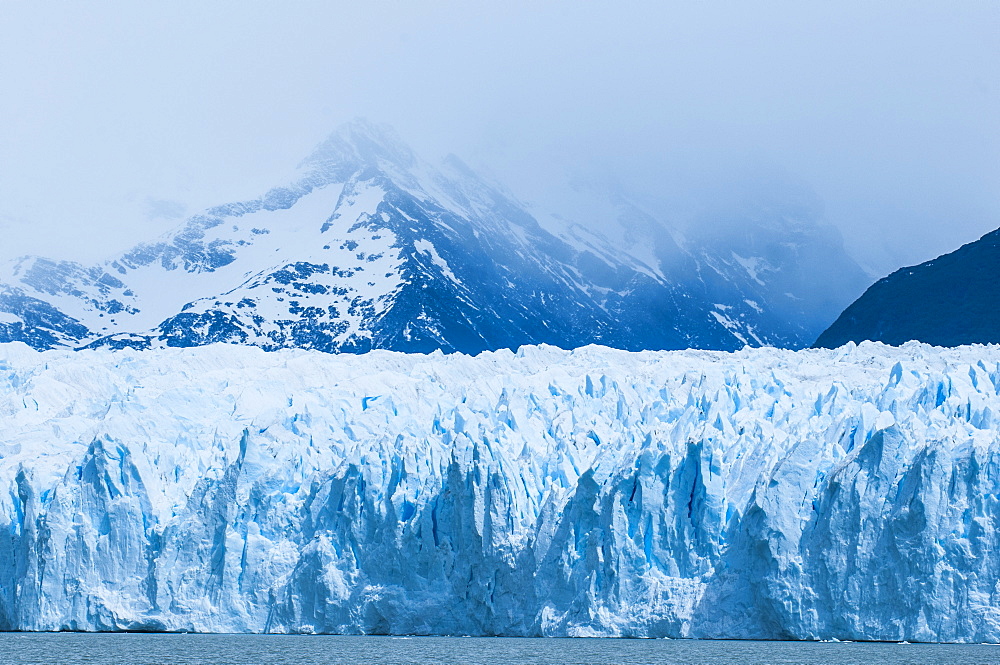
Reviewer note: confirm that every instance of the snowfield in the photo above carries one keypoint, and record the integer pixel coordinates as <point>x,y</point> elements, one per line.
<point>850,494</point>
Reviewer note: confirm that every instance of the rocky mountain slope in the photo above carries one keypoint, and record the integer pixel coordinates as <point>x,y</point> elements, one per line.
<point>370,247</point>
<point>951,300</point>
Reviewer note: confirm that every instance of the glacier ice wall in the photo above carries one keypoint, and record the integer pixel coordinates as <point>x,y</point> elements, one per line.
<point>850,493</point>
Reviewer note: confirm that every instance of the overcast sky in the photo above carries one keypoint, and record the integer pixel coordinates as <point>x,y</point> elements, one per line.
<point>117,119</point>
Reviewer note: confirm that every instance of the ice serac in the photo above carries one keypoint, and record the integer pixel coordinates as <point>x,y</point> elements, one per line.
<point>847,493</point>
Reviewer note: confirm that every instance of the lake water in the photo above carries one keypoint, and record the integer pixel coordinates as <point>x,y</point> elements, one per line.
<point>160,649</point>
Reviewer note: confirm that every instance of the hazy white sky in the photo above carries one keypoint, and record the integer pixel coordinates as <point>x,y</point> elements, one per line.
<point>118,118</point>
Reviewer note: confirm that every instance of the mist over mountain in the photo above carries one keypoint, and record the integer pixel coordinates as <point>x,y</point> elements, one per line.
<point>118,122</point>
<point>371,247</point>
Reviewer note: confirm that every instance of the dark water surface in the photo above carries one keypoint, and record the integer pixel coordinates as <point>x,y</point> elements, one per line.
<point>158,649</point>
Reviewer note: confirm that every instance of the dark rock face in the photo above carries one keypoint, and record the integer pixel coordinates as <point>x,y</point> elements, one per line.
<point>35,322</point>
<point>369,248</point>
<point>950,301</point>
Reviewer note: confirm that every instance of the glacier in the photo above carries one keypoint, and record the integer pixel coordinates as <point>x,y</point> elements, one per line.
<point>849,493</point>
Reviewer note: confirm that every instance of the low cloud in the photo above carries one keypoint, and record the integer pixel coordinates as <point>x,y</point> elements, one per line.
<point>886,112</point>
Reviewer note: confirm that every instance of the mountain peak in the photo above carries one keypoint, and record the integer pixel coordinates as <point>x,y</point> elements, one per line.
<point>370,247</point>
<point>357,144</point>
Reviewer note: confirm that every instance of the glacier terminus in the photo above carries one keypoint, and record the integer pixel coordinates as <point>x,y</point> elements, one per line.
<point>851,493</point>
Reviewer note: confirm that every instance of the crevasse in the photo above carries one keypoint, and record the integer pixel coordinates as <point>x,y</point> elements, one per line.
<point>848,493</point>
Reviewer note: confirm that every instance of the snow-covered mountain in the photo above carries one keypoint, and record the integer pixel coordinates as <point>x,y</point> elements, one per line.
<point>846,494</point>
<point>370,247</point>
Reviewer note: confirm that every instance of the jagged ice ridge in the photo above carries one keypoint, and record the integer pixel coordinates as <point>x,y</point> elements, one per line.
<point>849,493</point>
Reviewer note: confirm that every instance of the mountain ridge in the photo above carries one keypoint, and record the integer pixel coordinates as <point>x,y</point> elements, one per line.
<point>369,247</point>
<point>947,301</point>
